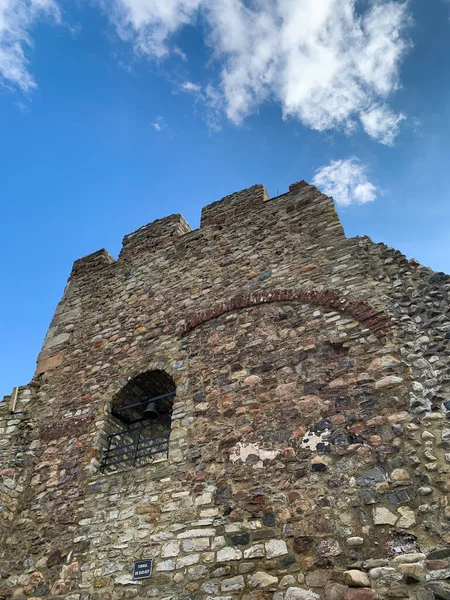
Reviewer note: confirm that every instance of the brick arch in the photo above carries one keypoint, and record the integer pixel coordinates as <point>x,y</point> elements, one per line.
<point>370,317</point>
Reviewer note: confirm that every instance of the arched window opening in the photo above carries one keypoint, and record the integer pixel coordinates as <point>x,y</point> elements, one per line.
<point>139,422</point>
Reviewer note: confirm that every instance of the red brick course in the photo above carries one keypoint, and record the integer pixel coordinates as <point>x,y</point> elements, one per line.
<point>370,317</point>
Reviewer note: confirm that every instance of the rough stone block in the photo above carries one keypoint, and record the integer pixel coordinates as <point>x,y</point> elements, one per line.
<point>275,548</point>
<point>232,584</point>
<point>47,364</point>
<point>262,580</point>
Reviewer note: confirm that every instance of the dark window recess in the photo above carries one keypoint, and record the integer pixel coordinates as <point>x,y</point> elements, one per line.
<point>139,423</point>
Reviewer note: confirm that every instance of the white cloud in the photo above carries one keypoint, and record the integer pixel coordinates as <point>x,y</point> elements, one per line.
<point>17,18</point>
<point>325,63</point>
<point>159,124</point>
<point>382,124</point>
<point>149,24</point>
<point>191,87</point>
<point>346,181</point>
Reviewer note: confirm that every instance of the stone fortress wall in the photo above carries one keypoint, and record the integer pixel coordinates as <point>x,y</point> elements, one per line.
<point>309,453</point>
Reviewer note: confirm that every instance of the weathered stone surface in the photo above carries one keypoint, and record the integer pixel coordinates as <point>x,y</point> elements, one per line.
<point>47,364</point>
<point>360,594</point>
<point>434,565</point>
<point>262,580</point>
<point>411,557</point>
<point>335,591</point>
<point>256,551</point>
<point>226,554</point>
<point>328,547</point>
<point>195,533</point>
<point>194,545</point>
<point>355,578</point>
<point>407,519</point>
<point>412,570</point>
<point>383,516</point>
<point>371,477</point>
<point>374,563</point>
<point>387,382</point>
<point>287,581</point>
<point>297,593</point>
<point>55,558</point>
<point>437,575</point>
<point>302,544</point>
<point>401,496</point>
<point>241,539</point>
<point>384,576</point>
<point>186,561</point>
<point>354,542</point>
<point>439,553</point>
<point>232,584</point>
<point>318,578</point>
<point>441,590</point>
<point>246,567</point>
<point>369,497</point>
<point>425,595</point>
<point>383,363</point>
<point>55,340</point>
<point>170,549</point>
<point>400,475</point>
<point>166,565</point>
<point>275,548</point>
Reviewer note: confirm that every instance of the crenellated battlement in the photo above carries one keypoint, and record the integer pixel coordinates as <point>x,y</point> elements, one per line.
<point>232,230</point>
<point>92,263</point>
<point>154,235</point>
<point>231,207</point>
<point>308,209</point>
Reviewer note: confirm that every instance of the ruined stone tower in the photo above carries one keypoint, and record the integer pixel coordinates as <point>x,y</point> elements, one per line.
<point>259,407</point>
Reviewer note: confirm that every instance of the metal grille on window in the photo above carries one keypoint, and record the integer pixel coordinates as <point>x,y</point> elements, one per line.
<point>140,422</point>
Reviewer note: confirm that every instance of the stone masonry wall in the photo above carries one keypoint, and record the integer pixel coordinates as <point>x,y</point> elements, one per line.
<point>15,438</point>
<point>309,453</point>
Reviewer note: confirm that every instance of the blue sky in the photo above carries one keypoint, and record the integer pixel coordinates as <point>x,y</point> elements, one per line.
<point>114,114</point>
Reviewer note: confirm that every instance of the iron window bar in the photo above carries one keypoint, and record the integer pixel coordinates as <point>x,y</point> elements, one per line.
<point>136,450</point>
<point>131,445</point>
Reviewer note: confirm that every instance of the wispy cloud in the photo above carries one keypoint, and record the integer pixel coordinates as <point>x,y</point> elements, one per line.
<point>190,87</point>
<point>159,124</point>
<point>381,123</point>
<point>150,24</point>
<point>346,181</point>
<point>326,64</point>
<point>17,18</point>
<point>208,99</point>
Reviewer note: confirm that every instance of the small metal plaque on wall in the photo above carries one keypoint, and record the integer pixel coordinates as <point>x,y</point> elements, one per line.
<point>142,569</point>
